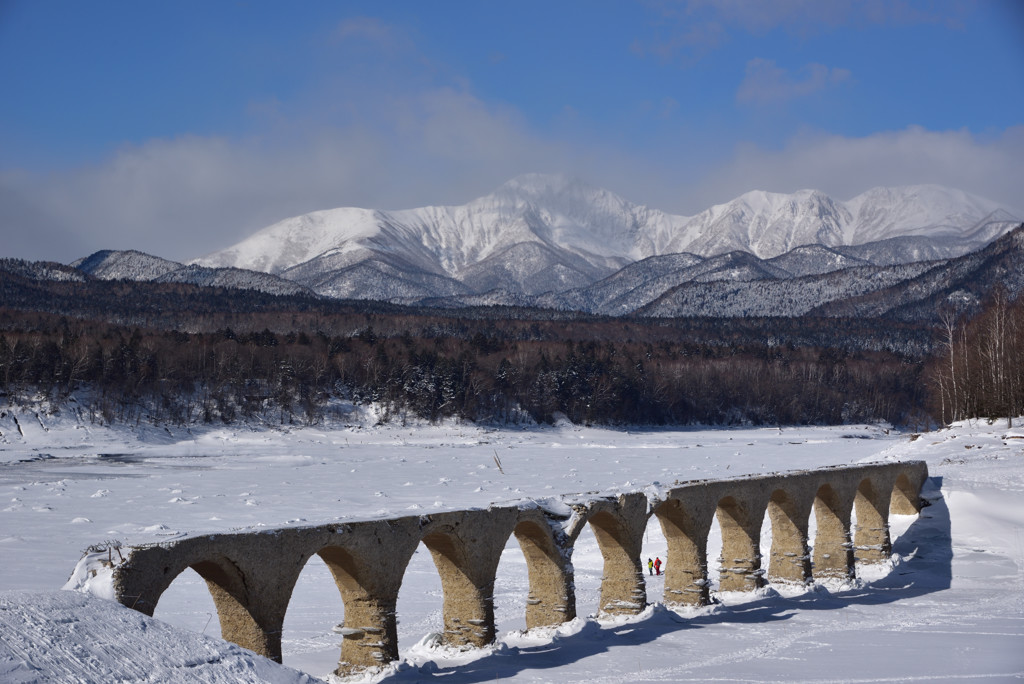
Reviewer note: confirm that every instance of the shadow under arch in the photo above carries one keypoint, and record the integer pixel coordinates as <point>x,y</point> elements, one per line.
<point>920,575</point>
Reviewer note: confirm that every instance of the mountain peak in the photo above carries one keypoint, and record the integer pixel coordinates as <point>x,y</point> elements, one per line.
<point>541,231</point>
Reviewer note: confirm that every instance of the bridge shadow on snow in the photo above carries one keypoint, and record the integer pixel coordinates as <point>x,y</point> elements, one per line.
<point>926,547</point>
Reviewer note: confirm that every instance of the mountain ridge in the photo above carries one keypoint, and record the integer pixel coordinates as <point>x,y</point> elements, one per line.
<point>540,234</point>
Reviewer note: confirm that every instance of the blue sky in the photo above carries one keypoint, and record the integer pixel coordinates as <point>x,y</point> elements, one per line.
<point>180,127</point>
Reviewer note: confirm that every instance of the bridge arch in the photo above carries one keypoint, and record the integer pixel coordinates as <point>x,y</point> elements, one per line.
<point>251,574</point>
<point>466,547</point>
<point>229,587</point>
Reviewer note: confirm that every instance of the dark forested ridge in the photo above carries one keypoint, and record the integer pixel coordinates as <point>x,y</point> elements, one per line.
<point>179,353</point>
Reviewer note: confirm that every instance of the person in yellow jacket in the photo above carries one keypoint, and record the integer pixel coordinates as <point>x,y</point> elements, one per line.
<point>650,567</point>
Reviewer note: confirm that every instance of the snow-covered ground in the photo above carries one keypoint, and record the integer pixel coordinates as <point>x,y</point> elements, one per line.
<point>950,605</point>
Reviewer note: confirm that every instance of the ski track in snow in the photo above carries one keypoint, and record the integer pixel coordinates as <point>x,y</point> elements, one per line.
<point>949,607</point>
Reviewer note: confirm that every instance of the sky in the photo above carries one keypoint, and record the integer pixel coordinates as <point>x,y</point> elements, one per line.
<point>179,128</point>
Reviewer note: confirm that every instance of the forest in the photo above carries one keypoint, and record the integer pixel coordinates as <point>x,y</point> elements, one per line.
<point>181,354</point>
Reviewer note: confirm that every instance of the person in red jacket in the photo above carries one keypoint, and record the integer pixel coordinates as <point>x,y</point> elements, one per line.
<point>657,566</point>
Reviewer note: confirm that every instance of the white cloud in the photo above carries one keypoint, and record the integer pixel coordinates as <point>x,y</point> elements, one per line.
<point>184,197</point>
<point>767,83</point>
<point>844,167</point>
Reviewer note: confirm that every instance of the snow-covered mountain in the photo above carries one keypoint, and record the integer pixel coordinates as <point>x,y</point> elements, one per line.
<point>552,234</point>
<point>133,265</point>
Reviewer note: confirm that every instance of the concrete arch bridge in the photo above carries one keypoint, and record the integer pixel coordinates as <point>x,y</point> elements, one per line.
<point>251,573</point>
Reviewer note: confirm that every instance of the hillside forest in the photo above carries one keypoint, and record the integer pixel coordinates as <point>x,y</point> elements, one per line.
<point>290,366</point>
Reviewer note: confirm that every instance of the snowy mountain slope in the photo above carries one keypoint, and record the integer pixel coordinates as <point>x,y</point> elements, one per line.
<point>769,224</point>
<point>540,233</point>
<point>734,267</point>
<point>42,270</point>
<point>132,265</point>
<point>962,282</point>
<point>929,210</point>
<point>817,259</point>
<point>627,279</point>
<point>907,291</point>
<point>789,297</point>
<point>128,264</point>
<point>233,277</point>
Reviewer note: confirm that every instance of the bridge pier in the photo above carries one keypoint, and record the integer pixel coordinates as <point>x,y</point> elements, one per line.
<point>619,528</point>
<point>833,550</point>
<point>686,527</point>
<point>552,597</point>
<point>740,521</point>
<point>789,559</point>
<point>367,561</point>
<point>871,540</point>
<point>467,547</point>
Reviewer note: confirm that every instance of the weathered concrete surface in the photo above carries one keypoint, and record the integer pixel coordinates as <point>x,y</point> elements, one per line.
<point>251,574</point>
<point>618,526</point>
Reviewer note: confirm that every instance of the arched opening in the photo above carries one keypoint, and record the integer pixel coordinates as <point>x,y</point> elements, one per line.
<point>187,604</point>
<point>784,534</point>
<point>714,556</point>
<point>548,587</point>
<point>420,601</point>
<point>467,579</point>
<point>871,537</point>
<point>654,547</point>
<point>831,551</point>
<point>511,588</point>
<point>309,640</point>
<point>588,569</point>
<point>740,564</point>
<point>228,590</point>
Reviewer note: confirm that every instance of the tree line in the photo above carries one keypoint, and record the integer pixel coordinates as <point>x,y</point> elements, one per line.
<point>978,368</point>
<point>605,372</point>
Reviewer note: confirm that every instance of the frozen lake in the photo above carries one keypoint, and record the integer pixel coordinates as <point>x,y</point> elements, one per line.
<point>66,486</point>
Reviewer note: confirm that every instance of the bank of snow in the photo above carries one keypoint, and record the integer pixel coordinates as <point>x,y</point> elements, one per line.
<point>71,637</point>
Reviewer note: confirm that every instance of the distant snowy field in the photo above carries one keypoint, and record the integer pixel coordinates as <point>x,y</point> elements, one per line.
<point>950,606</point>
